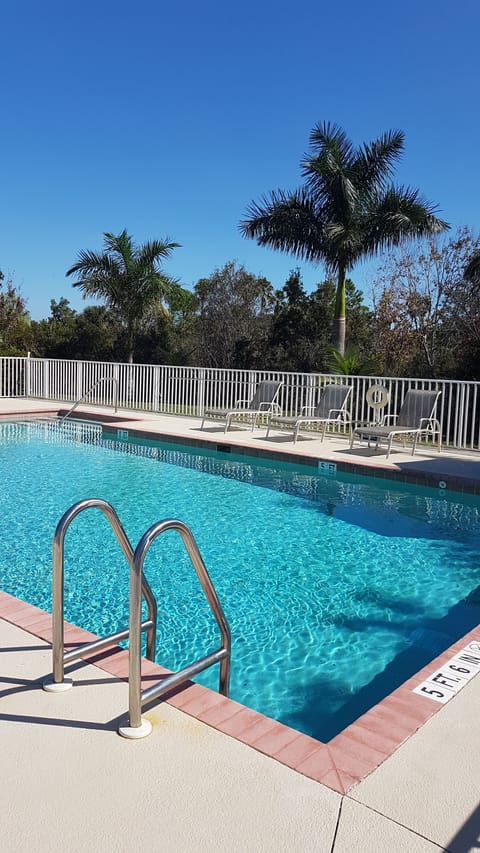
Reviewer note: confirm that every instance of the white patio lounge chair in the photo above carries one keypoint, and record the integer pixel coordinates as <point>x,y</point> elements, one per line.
<point>415,418</point>
<point>330,409</point>
<point>262,402</point>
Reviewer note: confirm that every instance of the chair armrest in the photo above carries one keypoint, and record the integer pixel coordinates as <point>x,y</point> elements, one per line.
<point>241,402</point>
<point>340,413</point>
<point>429,423</point>
<point>269,407</point>
<point>386,419</point>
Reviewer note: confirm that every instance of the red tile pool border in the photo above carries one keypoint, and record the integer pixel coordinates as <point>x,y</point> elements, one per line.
<point>339,764</point>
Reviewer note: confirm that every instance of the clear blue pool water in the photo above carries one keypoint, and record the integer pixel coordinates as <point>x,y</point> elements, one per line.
<point>336,589</point>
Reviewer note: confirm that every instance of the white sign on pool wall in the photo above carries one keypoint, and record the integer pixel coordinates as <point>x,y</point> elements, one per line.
<point>453,675</point>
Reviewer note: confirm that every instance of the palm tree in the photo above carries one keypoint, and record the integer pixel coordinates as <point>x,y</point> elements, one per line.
<point>346,211</point>
<point>127,277</point>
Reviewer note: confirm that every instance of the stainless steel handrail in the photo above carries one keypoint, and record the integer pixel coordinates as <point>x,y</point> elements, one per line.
<point>221,655</point>
<point>81,399</point>
<point>58,645</point>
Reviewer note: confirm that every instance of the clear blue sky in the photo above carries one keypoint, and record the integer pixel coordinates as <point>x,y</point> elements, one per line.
<point>168,119</point>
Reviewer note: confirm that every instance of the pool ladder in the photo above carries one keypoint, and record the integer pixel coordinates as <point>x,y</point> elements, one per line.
<point>139,587</point>
<point>92,388</point>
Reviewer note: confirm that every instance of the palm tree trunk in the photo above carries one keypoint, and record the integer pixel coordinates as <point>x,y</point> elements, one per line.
<point>338,331</point>
<point>130,337</point>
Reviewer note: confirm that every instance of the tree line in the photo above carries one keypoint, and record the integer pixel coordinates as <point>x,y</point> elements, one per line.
<point>423,320</point>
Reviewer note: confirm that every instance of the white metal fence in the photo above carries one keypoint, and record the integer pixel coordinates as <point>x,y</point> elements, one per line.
<point>191,390</point>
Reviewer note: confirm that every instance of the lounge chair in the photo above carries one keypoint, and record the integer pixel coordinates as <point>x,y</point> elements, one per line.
<point>330,409</point>
<point>415,418</point>
<point>262,402</point>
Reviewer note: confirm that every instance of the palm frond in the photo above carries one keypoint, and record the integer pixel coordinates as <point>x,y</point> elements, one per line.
<point>400,213</point>
<point>330,139</point>
<point>151,252</point>
<point>345,243</point>
<point>375,161</point>
<point>327,169</point>
<point>120,244</point>
<point>101,285</point>
<point>90,262</point>
<point>289,222</point>
<point>336,194</point>
<point>351,363</point>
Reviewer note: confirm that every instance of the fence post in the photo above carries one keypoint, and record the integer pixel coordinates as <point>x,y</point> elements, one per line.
<point>201,393</point>
<point>311,385</point>
<point>27,363</point>
<point>156,389</point>
<point>460,436</point>
<point>79,381</point>
<point>46,384</point>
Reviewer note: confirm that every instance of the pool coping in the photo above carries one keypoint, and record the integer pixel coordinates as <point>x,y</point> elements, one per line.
<point>340,764</point>
<point>361,747</point>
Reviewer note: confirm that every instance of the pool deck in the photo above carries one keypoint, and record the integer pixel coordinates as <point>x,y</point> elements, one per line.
<point>214,775</point>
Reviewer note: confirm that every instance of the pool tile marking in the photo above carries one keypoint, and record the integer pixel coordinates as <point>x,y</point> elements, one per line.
<point>446,682</point>
<point>327,467</point>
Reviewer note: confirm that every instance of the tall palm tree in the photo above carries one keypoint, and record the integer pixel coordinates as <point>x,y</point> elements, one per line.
<point>346,211</point>
<point>127,277</point>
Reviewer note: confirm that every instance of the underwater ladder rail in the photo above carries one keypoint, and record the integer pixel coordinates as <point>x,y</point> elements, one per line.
<point>138,727</point>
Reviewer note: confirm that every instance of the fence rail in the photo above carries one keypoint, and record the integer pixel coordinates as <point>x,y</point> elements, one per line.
<point>190,390</point>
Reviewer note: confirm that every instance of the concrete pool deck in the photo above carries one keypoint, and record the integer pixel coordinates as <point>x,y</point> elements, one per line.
<point>404,779</point>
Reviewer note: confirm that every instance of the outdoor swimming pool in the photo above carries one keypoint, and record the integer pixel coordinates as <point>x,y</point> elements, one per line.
<point>336,590</point>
